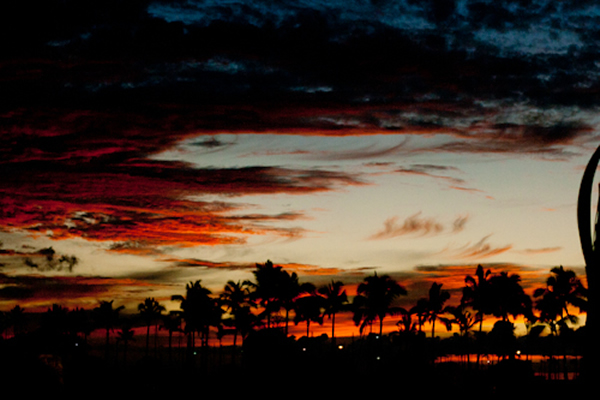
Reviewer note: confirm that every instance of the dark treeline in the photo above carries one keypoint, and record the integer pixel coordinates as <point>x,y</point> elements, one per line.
<point>57,350</point>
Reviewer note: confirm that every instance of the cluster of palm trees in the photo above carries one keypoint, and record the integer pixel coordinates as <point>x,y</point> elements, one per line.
<point>276,297</point>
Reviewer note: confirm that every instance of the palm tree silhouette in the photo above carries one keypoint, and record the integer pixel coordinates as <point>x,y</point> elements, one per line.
<point>374,300</point>
<point>54,320</point>
<point>268,288</point>
<point>563,289</point>
<point>236,300</point>
<point>17,318</point>
<point>308,308</point>
<point>477,294</point>
<point>421,310</point>
<point>106,317</point>
<point>79,323</point>
<point>508,297</point>
<point>197,307</point>
<point>150,311</point>
<point>435,304</point>
<point>462,317</point>
<point>172,323</point>
<point>125,335</point>
<point>290,290</point>
<point>3,323</point>
<point>336,301</point>
<point>406,323</point>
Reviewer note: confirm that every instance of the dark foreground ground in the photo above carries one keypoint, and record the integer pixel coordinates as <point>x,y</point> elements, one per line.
<point>268,366</point>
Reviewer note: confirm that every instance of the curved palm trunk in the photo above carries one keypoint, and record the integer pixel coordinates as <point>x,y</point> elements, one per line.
<point>591,254</point>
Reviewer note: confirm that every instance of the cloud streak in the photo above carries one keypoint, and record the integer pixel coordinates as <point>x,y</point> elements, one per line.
<point>418,226</point>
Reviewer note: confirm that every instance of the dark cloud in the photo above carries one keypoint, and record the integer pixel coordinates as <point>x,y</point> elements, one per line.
<point>92,91</point>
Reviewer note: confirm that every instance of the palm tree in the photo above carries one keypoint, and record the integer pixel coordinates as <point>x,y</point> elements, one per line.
<point>374,300</point>
<point>54,320</point>
<point>291,289</point>
<point>196,308</point>
<point>236,298</point>
<point>463,318</point>
<point>406,323</point>
<point>477,293</point>
<point>106,317</point>
<point>172,323</point>
<point>79,323</point>
<point>421,310</point>
<point>125,335</point>
<point>308,308</point>
<point>336,300</point>
<point>16,319</point>
<point>3,323</point>
<point>563,289</point>
<point>435,304</point>
<point>269,288</point>
<point>150,311</point>
<point>508,297</point>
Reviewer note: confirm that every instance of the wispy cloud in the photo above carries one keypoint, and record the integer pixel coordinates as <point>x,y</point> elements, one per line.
<point>417,225</point>
<point>542,250</point>
<point>432,171</point>
<point>480,249</point>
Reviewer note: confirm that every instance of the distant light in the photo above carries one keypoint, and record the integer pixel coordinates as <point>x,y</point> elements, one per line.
<point>378,358</point>
<point>304,349</point>
<point>340,347</point>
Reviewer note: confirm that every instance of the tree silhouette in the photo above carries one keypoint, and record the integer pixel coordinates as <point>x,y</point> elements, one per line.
<point>374,300</point>
<point>106,317</point>
<point>3,323</point>
<point>435,304</point>
<point>421,310</point>
<point>125,335</point>
<point>406,323</point>
<point>275,289</point>
<point>563,289</point>
<point>308,309</point>
<point>55,320</point>
<point>79,323</point>
<point>172,323</point>
<point>150,311</point>
<point>336,301</point>
<point>290,290</point>
<point>462,317</point>
<point>236,300</point>
<point>268,288</point>
<point>197,309</point>
<point>477,293</point>
<point>17,319</point>
<point>508,297</point>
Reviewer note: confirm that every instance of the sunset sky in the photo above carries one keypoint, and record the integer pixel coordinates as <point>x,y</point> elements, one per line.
<point>161,142</point>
